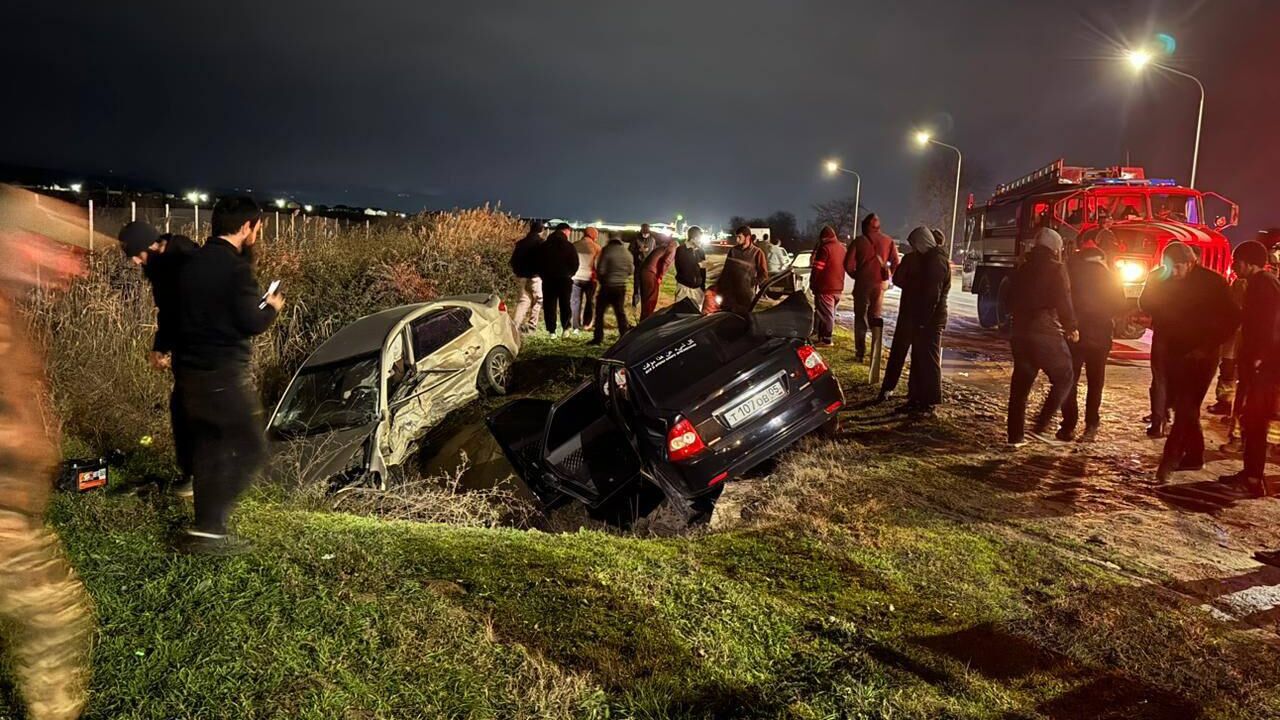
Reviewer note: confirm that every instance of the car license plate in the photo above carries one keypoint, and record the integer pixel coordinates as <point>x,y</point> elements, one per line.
<point>755,404</point>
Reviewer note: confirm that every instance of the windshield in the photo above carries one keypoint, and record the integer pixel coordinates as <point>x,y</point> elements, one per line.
<point>1174,207</point>
<point>331,397</point>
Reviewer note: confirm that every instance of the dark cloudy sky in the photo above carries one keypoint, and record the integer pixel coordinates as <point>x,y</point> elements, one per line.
<point>631,110</point>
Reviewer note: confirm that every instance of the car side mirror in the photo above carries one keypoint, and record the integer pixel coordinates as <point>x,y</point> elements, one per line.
<point>1220,222</point>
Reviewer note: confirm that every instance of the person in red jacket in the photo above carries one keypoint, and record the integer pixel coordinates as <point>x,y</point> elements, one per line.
<point>652,270</point>
<point>826,280</point>
<point>871,260</point>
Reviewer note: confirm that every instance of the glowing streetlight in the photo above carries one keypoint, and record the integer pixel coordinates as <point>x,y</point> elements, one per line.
<point>923,138</point>
<point>280,203</point>
<point>833,167</point>
<point>1141,59</point>
<point>193,197</point>
<point>1138,58</point>
<point>307,208</point>
<point>76,187</point>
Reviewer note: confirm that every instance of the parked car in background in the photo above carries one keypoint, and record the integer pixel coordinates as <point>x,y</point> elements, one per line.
<point>363,399</point>
<point>685,402</point>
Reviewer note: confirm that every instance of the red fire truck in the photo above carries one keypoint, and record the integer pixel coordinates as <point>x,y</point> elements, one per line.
<point>1147,214</point>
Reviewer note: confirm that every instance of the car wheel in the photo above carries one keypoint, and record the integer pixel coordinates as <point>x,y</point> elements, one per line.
<point>495,373</point>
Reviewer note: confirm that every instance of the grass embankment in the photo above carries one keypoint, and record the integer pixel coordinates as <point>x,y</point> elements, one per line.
<point>851,589</point>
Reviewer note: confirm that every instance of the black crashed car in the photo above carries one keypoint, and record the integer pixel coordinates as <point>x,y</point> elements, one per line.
<point>684,402</point>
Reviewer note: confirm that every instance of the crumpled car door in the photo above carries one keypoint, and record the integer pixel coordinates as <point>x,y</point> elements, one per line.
<point>440,383</point>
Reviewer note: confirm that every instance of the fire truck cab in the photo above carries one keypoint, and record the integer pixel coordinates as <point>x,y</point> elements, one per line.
<point>1144,216</point>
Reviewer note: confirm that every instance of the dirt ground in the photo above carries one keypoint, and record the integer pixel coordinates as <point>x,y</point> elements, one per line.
<point>1195,533</point>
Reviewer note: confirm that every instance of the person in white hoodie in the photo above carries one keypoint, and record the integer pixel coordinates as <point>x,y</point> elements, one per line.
<point>582,301</point>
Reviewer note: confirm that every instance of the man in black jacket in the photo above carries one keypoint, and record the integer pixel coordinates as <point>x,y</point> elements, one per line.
<point>1097,298</point>
<point>161,258</point>
<point>640,248</point>
<point>556,261</point>
<point>614,267</point>
<point>1195,314</point>
<point>925,278</point>
<point>222,309</point>
<point>524,267</point>
<point>1258,359</point>
<point>691,276</point>
<point>1043,321</point>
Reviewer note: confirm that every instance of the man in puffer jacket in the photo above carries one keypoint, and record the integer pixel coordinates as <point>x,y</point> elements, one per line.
<point>826,279</point>
<point>557,261</point>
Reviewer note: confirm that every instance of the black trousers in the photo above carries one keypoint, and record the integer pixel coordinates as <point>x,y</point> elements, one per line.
<point>1159,380</point>
<point>1261,394</point>
<point>1189,377</point>
<point>1033,354</point>
<point>557,297</point>
<point>183,442</point>
<point>1093,360</point>
<point>611,296</point>
<point>229,449</point>
<point>924,344</point>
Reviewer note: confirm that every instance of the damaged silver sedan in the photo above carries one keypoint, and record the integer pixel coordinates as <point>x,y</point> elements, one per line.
<point>367,395</point>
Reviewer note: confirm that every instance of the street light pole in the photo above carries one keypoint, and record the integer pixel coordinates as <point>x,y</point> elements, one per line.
<point>834,167</point>
<point>924,139</point>
<point>1140,59</point>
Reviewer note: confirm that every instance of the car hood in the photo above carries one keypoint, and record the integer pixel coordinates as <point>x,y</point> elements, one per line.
<point>317,458</point>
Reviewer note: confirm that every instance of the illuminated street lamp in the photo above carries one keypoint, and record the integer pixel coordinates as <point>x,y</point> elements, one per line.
<point>833,167</point>
<point>924,138</point>
<point>307,208</point>
<point>1141,59</point>
<point>76,187</point>
<point>280,202</point>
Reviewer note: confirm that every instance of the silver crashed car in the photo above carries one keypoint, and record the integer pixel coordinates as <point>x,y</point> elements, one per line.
<point>363,399</point>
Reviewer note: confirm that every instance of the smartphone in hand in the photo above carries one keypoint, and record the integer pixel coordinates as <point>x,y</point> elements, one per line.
<point>271,290</point>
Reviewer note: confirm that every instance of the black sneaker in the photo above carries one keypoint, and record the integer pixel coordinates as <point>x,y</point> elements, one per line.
<point>1065,435</point>
<point>1156,431</point>
<point>1190,465</point>
<point>194,542</point>
<point>1090,434</point>
<point>1222,407</point>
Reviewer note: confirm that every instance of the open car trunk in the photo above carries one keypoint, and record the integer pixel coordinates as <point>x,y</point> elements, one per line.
<point>572,446</point>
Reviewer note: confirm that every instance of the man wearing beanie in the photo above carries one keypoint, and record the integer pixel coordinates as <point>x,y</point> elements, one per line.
<point>1043,320</point>
<point>827,282</point>
<point>871,260</point>
<point>1258,362</point>
<point>1194,314</point>
<point>161,258</point>
<point>582,301</point>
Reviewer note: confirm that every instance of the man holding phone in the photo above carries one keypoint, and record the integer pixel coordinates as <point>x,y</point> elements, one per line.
<point>223,308</point>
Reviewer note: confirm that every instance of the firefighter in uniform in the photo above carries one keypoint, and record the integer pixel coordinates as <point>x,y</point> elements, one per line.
<point>44,610</point>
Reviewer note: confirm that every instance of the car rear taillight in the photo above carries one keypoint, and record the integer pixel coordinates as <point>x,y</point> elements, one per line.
<point>814,365</point>
<point>683,441</point>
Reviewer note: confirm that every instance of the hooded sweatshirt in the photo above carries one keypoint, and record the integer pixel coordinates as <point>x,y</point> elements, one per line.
<point>524,255</point>
<point>872,258</point>
<point>587,249</point>
<point>555,258</point>
<point>1039,291</point>
<point>925,278</point>
<point>827,274</point>
<point>1096,296</point>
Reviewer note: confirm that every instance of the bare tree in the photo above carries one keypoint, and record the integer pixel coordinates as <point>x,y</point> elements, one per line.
<point>840,214</point>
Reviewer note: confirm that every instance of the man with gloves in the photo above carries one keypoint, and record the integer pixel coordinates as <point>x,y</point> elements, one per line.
<point>1043,321</point>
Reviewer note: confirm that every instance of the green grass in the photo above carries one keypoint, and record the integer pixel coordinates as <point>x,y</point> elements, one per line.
<point>857,588</point>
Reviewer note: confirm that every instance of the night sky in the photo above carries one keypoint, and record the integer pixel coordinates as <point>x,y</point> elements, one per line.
<point>633,110</point>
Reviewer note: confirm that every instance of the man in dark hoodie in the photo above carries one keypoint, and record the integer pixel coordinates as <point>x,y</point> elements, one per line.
<point>1043,321</point>
<point>524,267</point>
<point>1258,358</point>
<point>161,258</point>
<point>871,260</point>
<point>1097,298</point>
<point>924,275</point>
<point>614,268</point>
<point>556,261</point>
<point>826,280</point>
<point>640,249</point>
<point>222,309</point>
<point>1195,314</point>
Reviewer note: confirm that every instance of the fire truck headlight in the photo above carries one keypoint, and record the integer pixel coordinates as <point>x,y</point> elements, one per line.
<point>1130,271</point>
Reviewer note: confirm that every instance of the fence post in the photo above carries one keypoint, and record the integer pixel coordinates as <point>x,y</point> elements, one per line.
<point>166,221</point>
<point>90,224</point>
<point>133,210</point>
<point>366,229</point>
<point>277,225</point>
<point>292,234</point>
<point>197,207</point>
